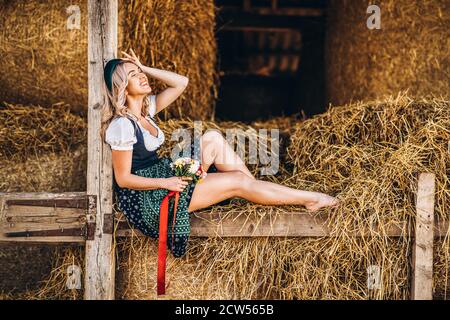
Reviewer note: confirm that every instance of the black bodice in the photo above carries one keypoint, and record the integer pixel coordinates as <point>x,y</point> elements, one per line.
<point>142,158</point>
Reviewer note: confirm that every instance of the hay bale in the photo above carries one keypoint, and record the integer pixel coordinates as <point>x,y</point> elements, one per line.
<point>362,149</point>
<point>368,154</point>
<point>47,62</point>
<point>410,51</point>
<point>210,270</point>
<point>265,268</point>
<point>33,130</point>
<point>52,172</point>
<point>249,131</point>
<point>44,149</point>
<point>178,36</point>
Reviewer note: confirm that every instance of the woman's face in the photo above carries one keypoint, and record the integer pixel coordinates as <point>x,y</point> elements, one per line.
<point>137,80</point>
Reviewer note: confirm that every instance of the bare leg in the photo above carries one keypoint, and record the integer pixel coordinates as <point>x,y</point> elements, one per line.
<point>213,189</point>
<point>216,150</point>
<point>223,185</point>
<point>269,193</point>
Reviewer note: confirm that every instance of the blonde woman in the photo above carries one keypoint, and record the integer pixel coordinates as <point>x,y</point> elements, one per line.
<point>142,179</point>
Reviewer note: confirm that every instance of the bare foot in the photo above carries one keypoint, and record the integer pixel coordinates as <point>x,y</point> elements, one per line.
<point>322,200</point>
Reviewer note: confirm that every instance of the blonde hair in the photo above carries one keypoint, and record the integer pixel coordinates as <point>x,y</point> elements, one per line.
<point>114,104</point>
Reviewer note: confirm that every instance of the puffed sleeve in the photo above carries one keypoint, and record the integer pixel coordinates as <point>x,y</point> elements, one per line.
<point>120,134</point>
<point>152,101</point>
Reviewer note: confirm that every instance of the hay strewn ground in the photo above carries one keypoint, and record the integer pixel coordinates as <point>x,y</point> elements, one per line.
<point>409,52</point>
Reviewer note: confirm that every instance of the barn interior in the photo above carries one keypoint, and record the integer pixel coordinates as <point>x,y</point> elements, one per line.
<point>270,58</point>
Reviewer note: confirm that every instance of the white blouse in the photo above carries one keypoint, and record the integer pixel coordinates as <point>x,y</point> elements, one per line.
<point>120,133</point>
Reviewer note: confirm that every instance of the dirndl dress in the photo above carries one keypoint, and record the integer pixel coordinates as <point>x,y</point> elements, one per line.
<point>142,207</point>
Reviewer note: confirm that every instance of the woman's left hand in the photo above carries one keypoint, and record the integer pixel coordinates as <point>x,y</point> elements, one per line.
<point>133,58</point>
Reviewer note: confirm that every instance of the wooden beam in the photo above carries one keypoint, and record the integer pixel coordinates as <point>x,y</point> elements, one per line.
<point>48,218</point>
<point>250,19</point>
<point>284,11</point>
<point>422,273</point>
<point>257,29</point>
<point>102,46</point>
<point>291,224</point>
<point>60,240</point>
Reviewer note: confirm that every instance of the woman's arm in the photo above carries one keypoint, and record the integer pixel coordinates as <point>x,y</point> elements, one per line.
<point>177,83</point>
<point>125,179</point>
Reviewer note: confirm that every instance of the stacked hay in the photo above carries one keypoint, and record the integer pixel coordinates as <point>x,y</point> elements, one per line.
<point>232,131</point>
<point>43,149</point>
<point>43,140</point>
<point>177,36</point>
<point>47,61</point>
<point>368,154</point>
<point>410,51</point>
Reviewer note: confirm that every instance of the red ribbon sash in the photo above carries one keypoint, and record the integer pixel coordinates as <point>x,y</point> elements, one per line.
<point>162,241</point>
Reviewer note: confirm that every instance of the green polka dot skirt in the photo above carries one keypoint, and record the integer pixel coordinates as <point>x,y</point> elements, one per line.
<point>141,207</point>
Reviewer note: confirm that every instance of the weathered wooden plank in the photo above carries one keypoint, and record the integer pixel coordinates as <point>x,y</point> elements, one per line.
<point>79,240</point>
<point>17,211</point>
<point>287,224</point>
<point>422,275</point>
<point>50,203</point>
<point>102,46</point>
<point>4,196</point>
<point>36,217</point>
<point>291,224</point>
<point>35,203</point>
<point>39,226</point>
<point>72,232</point>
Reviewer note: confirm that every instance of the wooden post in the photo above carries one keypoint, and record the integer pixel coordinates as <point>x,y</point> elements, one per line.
<point>422,274</point>
<point>102,46</point>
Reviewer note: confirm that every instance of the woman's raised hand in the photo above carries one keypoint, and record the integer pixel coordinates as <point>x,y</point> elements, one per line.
<point>176,183</point>
<point>132,58</point>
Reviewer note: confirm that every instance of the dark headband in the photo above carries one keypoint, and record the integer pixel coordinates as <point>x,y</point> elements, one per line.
<point>108,71</point>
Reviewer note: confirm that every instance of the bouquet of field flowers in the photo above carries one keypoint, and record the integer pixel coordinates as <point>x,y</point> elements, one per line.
<point>190,168</point>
